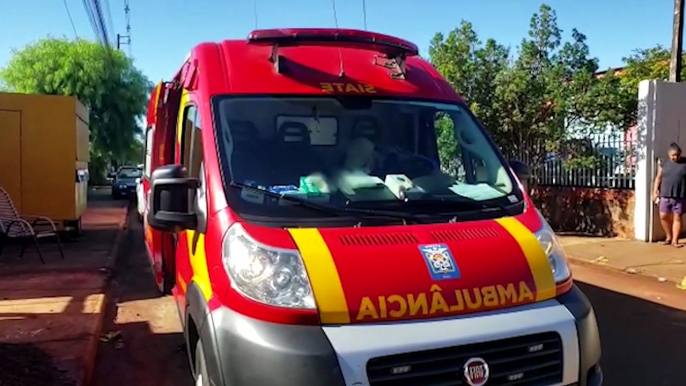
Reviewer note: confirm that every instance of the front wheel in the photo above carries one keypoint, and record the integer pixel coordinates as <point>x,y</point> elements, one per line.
<point>201,376</point>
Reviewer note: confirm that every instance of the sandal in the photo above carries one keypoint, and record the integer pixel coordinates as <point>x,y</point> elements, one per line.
<point>667,242</point>
<point>678,245</point>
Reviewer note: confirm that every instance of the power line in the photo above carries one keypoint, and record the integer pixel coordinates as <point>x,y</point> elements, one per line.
<point>101,22</point>
<point>70,18</point>
<point>91,19</point>
<point>109,15</point>
<point>96,19</point>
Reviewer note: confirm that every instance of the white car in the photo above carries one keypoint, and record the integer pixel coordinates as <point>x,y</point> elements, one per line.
<point>140,199</point>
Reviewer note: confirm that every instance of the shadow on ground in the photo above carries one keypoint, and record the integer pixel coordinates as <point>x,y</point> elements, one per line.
<point>147,345</point>
<point>49,314</point>
<point>644,343</point>
<point>101,223</point>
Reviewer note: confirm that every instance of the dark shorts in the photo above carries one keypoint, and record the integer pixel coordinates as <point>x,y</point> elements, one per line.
<point>672,205</point>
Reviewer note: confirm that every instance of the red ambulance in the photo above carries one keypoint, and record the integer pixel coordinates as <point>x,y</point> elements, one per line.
<point>326,210</point>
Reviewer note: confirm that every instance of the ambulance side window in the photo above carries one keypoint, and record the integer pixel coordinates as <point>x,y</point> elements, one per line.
<point>196,170</point>
<point>188,122</point>
<point>148,150</point>
<point>196,153</point>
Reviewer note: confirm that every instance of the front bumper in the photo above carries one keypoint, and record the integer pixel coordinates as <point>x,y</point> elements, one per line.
<point>124,190</point>
<point>252,352</point>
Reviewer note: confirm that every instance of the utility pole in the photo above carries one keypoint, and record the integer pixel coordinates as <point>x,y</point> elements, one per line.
<point>677,42</point>
<point>123,39</point>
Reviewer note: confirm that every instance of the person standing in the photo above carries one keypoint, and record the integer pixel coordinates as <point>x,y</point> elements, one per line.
<point>669,191</point>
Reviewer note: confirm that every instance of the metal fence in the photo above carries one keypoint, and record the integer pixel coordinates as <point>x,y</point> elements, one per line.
<point>596,161</point>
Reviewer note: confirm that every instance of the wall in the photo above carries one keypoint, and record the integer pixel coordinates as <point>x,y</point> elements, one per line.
<point>587,211</point>
<point>661,120</point>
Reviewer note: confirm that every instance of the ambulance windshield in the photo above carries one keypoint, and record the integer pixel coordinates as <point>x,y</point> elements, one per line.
<point>361,152</point>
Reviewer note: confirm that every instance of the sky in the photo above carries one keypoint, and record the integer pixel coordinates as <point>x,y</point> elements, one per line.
<point>164,31</point>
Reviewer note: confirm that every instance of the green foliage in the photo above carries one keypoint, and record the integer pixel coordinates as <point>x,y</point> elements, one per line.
<point>446,141</point>
<point>646,63</point>
<point>535,100</point>
<point>105,80</point>
<point>472,68</point>
<point>651,63</point>
<point>134,154</point>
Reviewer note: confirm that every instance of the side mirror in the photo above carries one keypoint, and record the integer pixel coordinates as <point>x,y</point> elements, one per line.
<point>170,209</point>
<point>523,173</point>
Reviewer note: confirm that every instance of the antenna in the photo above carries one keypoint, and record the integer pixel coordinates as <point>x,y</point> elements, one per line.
<point>364,13</point>
<point>335,16</point>
<point>340,53</point>
<point>255,12</point>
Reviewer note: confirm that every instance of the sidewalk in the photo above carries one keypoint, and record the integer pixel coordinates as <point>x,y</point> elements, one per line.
<point>51,315</point>
<point>662,262</point>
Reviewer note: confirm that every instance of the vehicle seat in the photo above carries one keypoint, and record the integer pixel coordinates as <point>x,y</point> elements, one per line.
<point>293,154</point>
<point>481,174</point>
<point>249,158</point>
<point>360,155</point>
<point>366,127</point>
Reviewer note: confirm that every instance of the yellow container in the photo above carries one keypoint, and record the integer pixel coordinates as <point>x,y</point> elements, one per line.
<point>44,155</point>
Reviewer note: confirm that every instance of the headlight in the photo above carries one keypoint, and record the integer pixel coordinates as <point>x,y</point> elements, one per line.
<point>553,249</point>
<point>268,275</point>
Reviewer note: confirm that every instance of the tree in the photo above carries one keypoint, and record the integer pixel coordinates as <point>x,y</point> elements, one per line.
<point>538,99</point>
<point>105,80</point>
<point>645,63</point>
<point>471,68</point>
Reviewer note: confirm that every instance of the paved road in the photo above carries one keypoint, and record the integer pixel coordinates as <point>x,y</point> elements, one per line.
<point>644,343</point>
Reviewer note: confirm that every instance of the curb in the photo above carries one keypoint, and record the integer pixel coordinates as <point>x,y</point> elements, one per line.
<point>586,263</point>
<point>91,355</point>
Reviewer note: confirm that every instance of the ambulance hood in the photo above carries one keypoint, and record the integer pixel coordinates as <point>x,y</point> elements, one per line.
<point>375,274</point>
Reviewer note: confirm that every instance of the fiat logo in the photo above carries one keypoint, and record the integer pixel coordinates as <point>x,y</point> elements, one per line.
<point>476,372</point>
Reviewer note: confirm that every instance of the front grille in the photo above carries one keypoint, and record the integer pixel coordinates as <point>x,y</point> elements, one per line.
<point>378,239</point>
<point>471,233</point>
<point>525,360</point>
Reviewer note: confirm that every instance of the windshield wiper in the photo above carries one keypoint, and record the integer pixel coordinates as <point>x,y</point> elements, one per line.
<point>461,204</point>
<point>359,213</point>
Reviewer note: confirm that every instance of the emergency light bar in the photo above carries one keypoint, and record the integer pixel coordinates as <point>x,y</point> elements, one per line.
<point>288,37</point>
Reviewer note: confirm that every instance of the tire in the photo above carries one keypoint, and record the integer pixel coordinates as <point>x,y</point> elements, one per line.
<point>78,229</point>
<point>201,374</point>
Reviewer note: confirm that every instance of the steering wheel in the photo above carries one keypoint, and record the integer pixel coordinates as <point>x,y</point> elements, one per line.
<point>415,166</point>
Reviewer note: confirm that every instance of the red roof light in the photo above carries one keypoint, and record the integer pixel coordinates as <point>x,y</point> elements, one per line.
<point>388,45</point>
